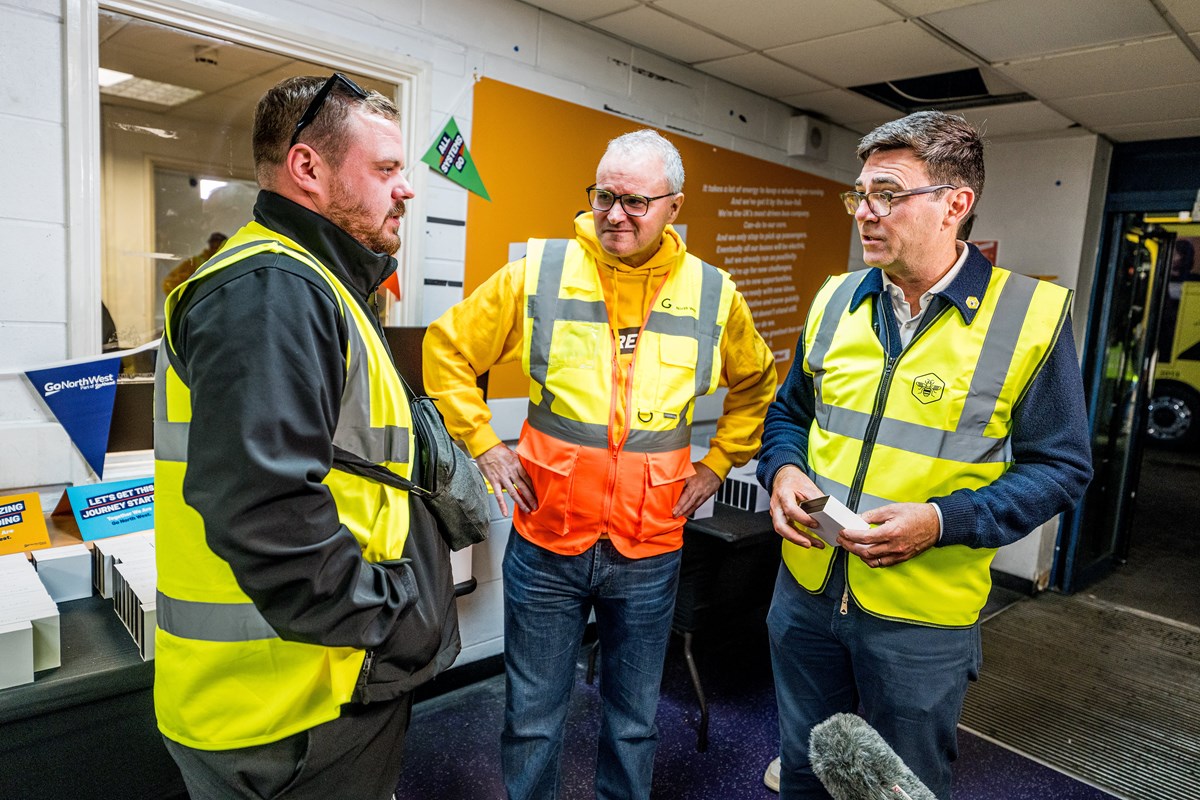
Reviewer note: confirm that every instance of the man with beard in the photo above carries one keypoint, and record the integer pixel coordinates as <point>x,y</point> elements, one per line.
<point>299,602</point>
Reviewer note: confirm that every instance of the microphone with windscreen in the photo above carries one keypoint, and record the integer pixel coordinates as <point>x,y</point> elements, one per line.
<point>853,762</point>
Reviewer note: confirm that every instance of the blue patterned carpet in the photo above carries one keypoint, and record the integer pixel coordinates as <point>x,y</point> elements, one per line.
<point>453,745</point>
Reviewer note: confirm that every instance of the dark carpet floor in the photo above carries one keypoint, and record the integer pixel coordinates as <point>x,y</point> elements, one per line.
<point>453,749</point>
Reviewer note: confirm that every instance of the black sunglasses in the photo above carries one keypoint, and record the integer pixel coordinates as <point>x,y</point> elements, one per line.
<point>314,107</point>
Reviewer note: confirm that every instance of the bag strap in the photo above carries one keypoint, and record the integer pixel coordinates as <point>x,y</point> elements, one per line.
<point>357,465</point>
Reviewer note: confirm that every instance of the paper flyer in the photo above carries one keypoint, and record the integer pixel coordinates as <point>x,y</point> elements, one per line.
<point>113,508</point>
<point>22,526</point>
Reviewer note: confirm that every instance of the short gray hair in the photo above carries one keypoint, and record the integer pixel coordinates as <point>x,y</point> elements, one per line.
<point>649,142</point>
<point>950,147</point>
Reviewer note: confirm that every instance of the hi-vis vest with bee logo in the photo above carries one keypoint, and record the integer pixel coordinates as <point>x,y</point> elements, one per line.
<point>587,482</point>
<point>223,677</point>
<point>938,419</point>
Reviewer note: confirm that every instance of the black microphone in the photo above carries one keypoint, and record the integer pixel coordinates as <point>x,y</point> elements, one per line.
<point>853,762</point>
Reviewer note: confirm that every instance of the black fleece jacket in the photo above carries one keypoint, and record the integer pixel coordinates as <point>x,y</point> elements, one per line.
<point>261,346</point>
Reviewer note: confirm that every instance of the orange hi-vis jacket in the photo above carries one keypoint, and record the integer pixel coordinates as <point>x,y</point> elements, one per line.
<point>592,474</point>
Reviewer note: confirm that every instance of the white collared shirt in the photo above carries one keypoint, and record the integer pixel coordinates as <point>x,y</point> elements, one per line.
<point>907,320</point>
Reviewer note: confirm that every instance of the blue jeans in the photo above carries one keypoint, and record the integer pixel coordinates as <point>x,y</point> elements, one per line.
<point>909,679</point>
<point>547,600</point>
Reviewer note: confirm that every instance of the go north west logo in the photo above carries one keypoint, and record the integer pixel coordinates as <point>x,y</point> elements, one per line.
<point>928,388</point>
<point>86,382</point>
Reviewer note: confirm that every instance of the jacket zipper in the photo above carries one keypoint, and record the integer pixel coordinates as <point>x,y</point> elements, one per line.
<point>363,675</point>
<point>864,458</point>
<point>885,385</point>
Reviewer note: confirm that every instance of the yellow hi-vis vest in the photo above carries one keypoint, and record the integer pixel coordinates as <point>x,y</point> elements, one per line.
<point>626,488</point>
<point>936,419</point>
<point>224,678</point>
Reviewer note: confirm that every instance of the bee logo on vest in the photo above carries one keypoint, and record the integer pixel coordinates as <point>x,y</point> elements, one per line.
<point>928,388</point>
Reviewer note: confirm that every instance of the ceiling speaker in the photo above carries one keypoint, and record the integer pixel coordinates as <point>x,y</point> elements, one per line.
<point>807,137</point>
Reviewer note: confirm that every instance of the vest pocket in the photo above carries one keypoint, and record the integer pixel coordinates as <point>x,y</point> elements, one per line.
<point>661,476</point>
<point>551,468</point>
<point>677,356</point>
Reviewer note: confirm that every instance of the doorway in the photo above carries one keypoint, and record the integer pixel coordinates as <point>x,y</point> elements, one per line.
<point>1131,541</point>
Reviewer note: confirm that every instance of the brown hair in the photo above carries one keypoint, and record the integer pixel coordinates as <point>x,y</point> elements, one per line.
<point>950,147</point>
<point>281,107</point>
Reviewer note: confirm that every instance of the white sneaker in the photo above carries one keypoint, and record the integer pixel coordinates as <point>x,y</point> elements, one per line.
<point>771,778</point>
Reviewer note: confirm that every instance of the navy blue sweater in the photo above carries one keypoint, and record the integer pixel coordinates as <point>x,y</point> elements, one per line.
<point>1050,440</point>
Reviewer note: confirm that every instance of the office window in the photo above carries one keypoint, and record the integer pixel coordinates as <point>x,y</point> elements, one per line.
<point>176,174</point>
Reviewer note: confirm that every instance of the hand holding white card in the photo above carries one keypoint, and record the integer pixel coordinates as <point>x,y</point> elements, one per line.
<point>832,517</point>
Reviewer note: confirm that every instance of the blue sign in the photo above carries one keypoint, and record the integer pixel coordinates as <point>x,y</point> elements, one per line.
<point>113,508</point>
<point>81,395</point>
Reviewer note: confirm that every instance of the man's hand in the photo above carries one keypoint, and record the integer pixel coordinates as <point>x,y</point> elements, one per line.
<point>696,489</point>
<point>504,472</point>
<point>905,531</point>
<point>790,487</point>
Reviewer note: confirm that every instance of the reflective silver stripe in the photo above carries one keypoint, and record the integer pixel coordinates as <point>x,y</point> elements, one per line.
<point>834,310</point>
<point>353,431</point>
<point>212,622</point>
<point>568,308</point>
<point>969,448</point>
<point>378,445</point>
<point>170,438</point>
<point>708,332</point>
<point>995,357</point>
<point>587,434</point>
<point>541,309</point>
<point>671,324</point>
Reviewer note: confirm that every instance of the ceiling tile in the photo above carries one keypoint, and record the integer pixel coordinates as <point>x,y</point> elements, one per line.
<point>1135,65</point>
<point>730,109</point>
<point>1015,118</point>
<point>1185,12</point>
<point>919,8</point>
<point>1100,112</point>
<point>841,106</point>
<point>760,24</point>
<point>888,52</point>
<point>654,30</point>
<point>988,29</point>
<point>760,74</point>
<point>582,12</point>
<point>1142,131</point>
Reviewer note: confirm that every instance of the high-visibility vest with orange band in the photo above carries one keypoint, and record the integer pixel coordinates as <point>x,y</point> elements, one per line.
<point>223,677</point>
<point>935,419</point>
<point>587,480</point>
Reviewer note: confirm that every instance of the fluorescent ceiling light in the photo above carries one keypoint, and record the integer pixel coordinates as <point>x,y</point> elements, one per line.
<point>110,77</point>
<point>148,91</point>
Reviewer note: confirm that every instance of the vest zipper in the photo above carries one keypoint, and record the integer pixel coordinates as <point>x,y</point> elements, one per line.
<point>885,385</point>
<point>363,674</point>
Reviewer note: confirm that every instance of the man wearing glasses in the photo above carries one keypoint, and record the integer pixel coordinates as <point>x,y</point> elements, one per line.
<point>301,599</point>
<point>619,329</point>
<point>940,397</point>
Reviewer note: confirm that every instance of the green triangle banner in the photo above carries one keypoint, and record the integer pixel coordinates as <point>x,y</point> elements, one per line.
<point>449,156</point>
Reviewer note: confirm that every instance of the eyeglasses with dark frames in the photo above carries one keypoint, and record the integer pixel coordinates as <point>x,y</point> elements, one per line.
<point>318,100</point>
<point>880,203</point>
<point>635,205</point>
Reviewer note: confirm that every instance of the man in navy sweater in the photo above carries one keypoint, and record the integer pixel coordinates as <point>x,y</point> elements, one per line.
<point>940,397</point>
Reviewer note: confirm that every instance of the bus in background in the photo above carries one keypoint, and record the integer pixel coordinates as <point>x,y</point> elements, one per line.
<point>1174,412</point>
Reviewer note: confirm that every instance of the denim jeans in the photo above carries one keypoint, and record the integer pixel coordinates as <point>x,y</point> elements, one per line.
<point>547,600</point>
<point>909,679</point>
